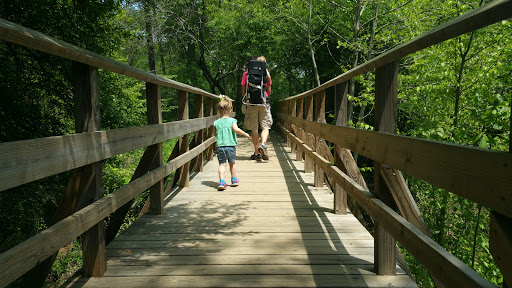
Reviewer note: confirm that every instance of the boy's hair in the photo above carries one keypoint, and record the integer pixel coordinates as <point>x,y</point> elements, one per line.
<point>224,106</point>
<point>262,58</point>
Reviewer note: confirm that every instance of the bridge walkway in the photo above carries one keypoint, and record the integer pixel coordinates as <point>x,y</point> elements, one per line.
<point>275,229</point>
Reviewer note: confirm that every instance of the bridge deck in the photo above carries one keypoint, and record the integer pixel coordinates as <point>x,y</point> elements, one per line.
<point>275,229</point>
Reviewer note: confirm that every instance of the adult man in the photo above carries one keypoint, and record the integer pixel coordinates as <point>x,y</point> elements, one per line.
<point>258,115</point>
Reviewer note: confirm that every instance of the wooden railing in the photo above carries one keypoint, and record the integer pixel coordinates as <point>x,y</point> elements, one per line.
<point>483,176</point>
<point>29,160</point>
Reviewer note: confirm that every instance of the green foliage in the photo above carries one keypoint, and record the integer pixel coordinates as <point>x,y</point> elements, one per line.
<point>68,261</point>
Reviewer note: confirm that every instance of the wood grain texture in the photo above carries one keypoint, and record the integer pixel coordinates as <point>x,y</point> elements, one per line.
<point>440,263</point>
<point>247,235</point>
<point>465,171</point>
<point>29,160</point>
<point>24,256</point>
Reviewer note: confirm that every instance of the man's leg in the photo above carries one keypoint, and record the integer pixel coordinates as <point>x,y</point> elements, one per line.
<point>255,140</point>
<point>264,136</point>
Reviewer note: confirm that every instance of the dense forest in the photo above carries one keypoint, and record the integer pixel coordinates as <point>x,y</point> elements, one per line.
<point>458,91</point>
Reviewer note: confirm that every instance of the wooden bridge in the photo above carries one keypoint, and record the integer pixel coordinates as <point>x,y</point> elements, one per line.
<point>275,229</point>
<point>281,226</point>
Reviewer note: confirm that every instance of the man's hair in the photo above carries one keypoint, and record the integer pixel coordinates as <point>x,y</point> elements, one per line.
<point>224,106</point>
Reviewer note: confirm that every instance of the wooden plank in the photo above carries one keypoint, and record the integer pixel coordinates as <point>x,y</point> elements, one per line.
<point>248,281</point>
<point>319,142</point>
<point>242,259</point>
<point>300,133</point>
<point>19,259</point>
<point>117,218</point>
<point>480,17</point>
<point>500,245</point>
<point>386,113</point>
<point>403,198</point>
<point>29,160</point>
<point>29,38</point>
<point>154,114</point>
<point>213,244</point>
<point>250,236</point>
<point>341,114</point>
<point>463,170</point>
<point>198,167</point>
<point>184,140</point>
<point>277,250</point>
<point>308,113</point>
<point>140,270</point>
<point>87,119</point>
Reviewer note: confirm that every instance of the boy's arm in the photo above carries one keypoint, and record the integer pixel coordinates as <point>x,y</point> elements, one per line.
<point>240,131</point>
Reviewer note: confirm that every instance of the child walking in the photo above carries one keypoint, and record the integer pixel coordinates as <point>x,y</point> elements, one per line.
<point>225,129</point>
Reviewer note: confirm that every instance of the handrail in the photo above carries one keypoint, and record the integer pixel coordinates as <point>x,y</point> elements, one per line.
<point>25,161</point>
<point>19,259</point>
<point>480,175</point>
<point>445,266</point>
<point>29,160</point>
<point>483,16</point>
<point>475,169</point>
<point>32,39</point>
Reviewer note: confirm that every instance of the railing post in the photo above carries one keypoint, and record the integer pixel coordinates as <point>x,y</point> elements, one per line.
<point>287,110</point>
<point>300,133</point>
<point>500,245</point>
<point>293,108</point>
<point>183,141</point>
<point>199,134</point>
<point>386,91</point>
<point>209,131</point>
<point>154,108</point>
<point>320,118</point>
<point>341,101</point>
<point>308,162</point>
<point>87,119</point>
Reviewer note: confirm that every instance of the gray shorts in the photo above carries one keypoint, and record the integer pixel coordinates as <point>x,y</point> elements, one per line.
<point>258,115</point>
<point>226,153</point>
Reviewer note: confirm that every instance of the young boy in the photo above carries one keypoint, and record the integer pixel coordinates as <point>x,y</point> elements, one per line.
<point>225,129</point>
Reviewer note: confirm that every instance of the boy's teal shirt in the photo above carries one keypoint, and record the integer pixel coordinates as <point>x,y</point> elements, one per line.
<point>226,136</point>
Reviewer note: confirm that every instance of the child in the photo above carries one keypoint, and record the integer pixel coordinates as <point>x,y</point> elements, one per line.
<point>269,83</point>
<point>225,129</point>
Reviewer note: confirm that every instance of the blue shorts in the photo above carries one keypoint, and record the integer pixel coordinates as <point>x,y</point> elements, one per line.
<point>226,153</point>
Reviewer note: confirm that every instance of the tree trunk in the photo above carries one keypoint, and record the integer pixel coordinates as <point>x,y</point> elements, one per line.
<point>355,55</point>
<point>311,49</point>
<point>149,36</point>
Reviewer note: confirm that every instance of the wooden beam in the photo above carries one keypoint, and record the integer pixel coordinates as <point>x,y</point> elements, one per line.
<point>117,218</point>
<point>300,132</point>
<point>308,103</point>
<point>341,113</point>
<point>87,119</point>
<point>403,198</point>
<point>184,140</point>
<point>29,160</point>
<point>480,17</point>
<point>320,118</point>
<point>19,259</point>
<point>154,113</point>
<point>386,99</point>
<point>209,112</point>
<point>199,134</point>
<point>463,170</point>
<point>500,245</point>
